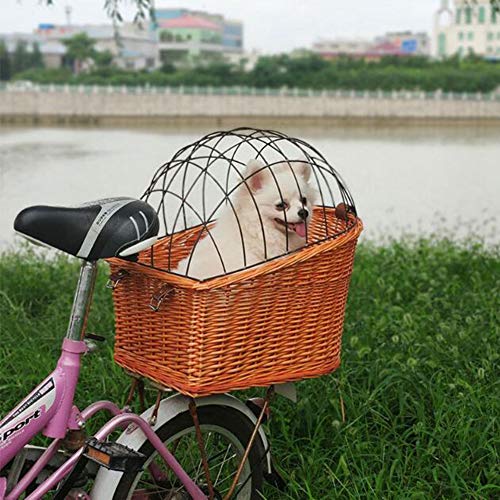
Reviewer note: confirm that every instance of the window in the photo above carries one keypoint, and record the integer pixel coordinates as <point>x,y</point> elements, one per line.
<point>461,35</point>
<point>482,15</point>
<point>490,36</point>
<point>498,35</point>
<point>166,36</point>
<point>470,35</point>
<point>468,15</point>
<point>489,49</point>
<point>458,16</point>
<point>442,44</point>
<point>493,16</point>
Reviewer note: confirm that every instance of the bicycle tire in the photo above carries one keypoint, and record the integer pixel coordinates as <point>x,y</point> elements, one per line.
<point>232,421</point>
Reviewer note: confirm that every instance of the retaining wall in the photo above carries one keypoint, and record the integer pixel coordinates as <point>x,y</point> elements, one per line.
<point>74,103</point>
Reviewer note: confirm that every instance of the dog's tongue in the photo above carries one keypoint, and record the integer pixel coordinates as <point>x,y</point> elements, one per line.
<point>300,229</point>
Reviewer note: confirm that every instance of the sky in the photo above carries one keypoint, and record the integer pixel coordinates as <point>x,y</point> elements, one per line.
<point>270,25</point>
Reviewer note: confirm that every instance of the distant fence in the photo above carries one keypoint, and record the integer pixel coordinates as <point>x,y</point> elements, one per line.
<point>23,101</point>
<point>249,91</point>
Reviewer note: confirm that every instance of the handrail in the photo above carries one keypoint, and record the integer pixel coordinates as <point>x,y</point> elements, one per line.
<point>248,91</point>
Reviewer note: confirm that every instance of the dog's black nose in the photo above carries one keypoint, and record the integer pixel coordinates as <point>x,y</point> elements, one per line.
<point>303,213</point>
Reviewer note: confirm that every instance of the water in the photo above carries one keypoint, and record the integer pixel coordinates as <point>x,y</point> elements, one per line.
<point>406,178</point>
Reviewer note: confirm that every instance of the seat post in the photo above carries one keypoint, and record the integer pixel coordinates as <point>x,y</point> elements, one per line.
<point>82,300</point>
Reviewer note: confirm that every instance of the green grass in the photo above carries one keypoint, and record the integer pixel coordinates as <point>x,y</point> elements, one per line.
<point>418,378</point>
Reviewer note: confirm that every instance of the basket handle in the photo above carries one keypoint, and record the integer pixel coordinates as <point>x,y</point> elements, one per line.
<point>115,278</point>
<point>158,297</point>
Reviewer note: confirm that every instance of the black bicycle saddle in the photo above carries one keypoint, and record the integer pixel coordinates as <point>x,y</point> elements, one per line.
<point>113,227</point>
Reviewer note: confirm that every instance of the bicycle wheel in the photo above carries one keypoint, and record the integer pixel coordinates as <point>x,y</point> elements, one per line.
<point>226,433</point>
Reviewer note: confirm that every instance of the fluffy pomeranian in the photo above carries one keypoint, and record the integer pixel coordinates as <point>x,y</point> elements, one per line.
<point>268,216</point>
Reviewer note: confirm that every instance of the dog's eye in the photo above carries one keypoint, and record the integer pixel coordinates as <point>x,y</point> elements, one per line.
<point>282,205</point>
<point>303,200</point>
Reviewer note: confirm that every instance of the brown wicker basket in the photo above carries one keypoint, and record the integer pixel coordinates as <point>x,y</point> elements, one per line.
<point>277,322</point>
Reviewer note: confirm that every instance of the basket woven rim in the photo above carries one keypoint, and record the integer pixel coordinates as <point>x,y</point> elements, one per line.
<point>300,255</point>
<point>200,390</point>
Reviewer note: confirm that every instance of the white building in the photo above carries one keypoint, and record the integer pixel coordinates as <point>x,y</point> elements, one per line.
<point>133,48</point>
<point>331,49</point>
<point>245,60</point>
<point>467,27</point>
<point>398,43</point>
<point>408,42</point>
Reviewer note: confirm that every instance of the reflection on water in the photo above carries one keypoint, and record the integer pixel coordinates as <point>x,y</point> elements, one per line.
<point>17,156</point>
<point>412,178</point>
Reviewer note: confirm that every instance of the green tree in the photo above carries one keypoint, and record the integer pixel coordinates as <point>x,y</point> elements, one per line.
<point>5,69</point>
<point>20,57</point>
<point>79,49</point>
<point>36,59</point>
<point>102,59</point>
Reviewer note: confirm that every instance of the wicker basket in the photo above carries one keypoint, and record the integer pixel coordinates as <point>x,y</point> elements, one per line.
<point>277,322</point>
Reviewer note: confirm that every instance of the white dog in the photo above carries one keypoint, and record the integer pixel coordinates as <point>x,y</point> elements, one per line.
<point>269,217</point>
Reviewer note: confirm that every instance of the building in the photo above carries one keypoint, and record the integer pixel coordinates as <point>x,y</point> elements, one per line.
<point>52,51</point>
<point>402,43</point>
<point>177,36</point>
<point>132,47</point>
<point>187,37</point>
<point>332,49</point>
<point>408,42</point>
<point>467,27</point>
<point>244,60</point>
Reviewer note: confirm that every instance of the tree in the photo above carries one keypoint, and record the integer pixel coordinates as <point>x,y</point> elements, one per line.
<point>21,58</point>
<point>36,59</point>
<point>79,49</point>
<point>5,69</point>
<point>102,59</point>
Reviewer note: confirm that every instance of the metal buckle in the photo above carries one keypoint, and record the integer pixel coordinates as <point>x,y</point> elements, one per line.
<point>159,297</point>
<point>115,278</point>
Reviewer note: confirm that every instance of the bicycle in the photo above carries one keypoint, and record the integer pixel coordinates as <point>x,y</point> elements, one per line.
<point>142,462</point>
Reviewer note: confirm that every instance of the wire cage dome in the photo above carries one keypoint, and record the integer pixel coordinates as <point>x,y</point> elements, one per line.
<point>212,177</point>
<point>248,283</point>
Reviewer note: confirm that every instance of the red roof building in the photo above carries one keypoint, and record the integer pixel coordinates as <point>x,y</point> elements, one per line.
<point>189,22</point>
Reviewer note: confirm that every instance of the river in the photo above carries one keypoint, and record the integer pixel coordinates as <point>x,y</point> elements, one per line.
<point>407,178</point>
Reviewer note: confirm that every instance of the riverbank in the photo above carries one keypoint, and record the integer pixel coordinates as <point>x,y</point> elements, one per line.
<point>417,375</point>
<point>228,122</point>
<point>95,105</point>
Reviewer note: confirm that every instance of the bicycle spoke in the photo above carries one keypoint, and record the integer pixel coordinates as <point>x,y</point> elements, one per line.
<point>200,465</point>
<point>223,457</point>
<point>223,461</point>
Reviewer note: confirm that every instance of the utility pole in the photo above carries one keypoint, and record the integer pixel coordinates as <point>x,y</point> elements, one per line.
<point>67,10</point>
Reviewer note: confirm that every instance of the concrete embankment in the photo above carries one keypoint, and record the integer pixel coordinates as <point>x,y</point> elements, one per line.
<point>100,105</point>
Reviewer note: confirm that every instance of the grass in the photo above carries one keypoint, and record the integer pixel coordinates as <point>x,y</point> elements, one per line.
<point>418,379</point>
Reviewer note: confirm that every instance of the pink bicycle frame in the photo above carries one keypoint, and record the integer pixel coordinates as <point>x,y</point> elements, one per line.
<point>49,409</point>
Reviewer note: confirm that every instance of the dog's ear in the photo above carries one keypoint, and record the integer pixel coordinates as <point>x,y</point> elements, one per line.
<point>300,168</point>
<point>303,169</point>
<point>255,174</point>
